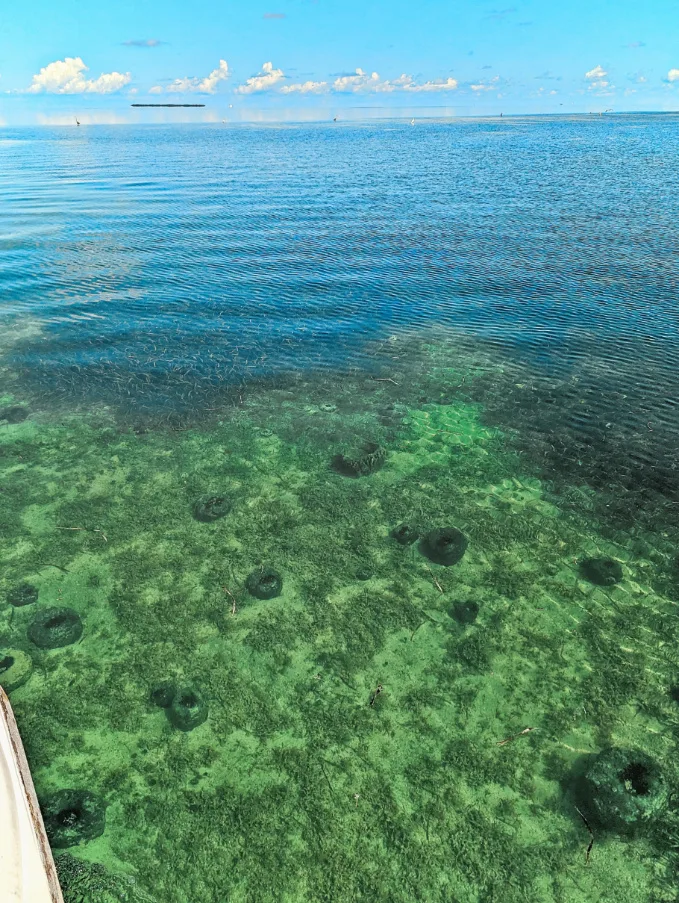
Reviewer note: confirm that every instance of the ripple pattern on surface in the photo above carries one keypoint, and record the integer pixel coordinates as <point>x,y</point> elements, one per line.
<point>157,261</point>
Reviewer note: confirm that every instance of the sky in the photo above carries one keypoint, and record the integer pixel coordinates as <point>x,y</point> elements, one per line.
<point>286,60</point>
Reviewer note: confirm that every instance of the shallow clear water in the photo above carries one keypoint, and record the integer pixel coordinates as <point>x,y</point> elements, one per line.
<point>226,352</point>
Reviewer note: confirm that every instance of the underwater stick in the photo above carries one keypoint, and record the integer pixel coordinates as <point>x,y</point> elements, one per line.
<point>86,529</point>
<point>438,585</point>
<point>375,695</point>
<point>591,835</point>
<point>526,730</point>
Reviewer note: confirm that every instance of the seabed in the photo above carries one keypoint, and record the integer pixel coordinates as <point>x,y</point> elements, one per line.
<point>385,728</point>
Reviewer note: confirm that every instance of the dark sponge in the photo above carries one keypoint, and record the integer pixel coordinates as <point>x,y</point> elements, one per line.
<point>73,816</point>
<point>264,583</point>
<point>464,612</point>
<point>404,534</point>
<point>55,627</point>
<point>15,413</point>
<point>622,789</point>
<point>601,571</point>
<point>22,594</point>
<point>445,546</point>
<point>187,709</point>
<point>211,508</point>
<point>163,694</point>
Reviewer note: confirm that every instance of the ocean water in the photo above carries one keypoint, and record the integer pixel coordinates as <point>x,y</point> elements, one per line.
<point>339,507</point>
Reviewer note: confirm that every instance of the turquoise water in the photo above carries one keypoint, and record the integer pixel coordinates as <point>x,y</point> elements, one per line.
<point>348,456</point>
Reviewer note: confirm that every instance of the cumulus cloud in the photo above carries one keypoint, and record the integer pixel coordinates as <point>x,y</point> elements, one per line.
<point>597,80</point>
<point>306,88</point>
<point>67,76</point>
<point>267,79</point>
<point>598,72</point>
<point>673,75</point>
<point>197,85</point>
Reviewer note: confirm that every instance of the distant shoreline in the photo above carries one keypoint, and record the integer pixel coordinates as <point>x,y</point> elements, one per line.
<point>167,105</point>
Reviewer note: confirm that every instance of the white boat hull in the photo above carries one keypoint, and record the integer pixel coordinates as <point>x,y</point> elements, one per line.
<point>26,863</point>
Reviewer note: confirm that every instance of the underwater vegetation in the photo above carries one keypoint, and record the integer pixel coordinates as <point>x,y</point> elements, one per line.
<point>91,882</point>
<point>395,687</point>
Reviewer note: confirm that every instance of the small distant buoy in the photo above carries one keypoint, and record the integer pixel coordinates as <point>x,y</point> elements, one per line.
<point>412,122</point>
<point>76,121</point>
<point>335,119</point>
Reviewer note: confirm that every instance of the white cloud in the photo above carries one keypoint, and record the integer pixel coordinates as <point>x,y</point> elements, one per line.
<point>67,77</point>
<point>197,85</point>
<point>597,80</point>
<point>673,75</point>
<point>439,84</point>
<point>358,82</point>
<point>596,74</point>
<point>267,79</point>
<point>362,83</point>
<point>305,88</point>
<point>486,86</point>
<point>156,89</point>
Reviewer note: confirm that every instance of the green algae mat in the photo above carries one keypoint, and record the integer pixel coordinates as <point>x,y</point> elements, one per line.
<point>339,641</point>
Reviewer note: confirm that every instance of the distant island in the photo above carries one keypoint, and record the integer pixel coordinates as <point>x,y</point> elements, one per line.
<point>167,104</point>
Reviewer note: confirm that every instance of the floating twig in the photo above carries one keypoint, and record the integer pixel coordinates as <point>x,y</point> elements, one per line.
<point>526,730</point>
<point>57,566</point>
<point>591,835</point>
<point>386,379</point>
<point>375,695</point>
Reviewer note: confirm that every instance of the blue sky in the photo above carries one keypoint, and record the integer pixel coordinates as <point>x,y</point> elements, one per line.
<point>296,59</point>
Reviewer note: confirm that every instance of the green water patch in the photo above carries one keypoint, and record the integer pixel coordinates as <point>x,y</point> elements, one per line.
<point>362,741</point>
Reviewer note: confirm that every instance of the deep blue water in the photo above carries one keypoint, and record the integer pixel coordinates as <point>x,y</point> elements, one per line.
<point>198,254</point>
